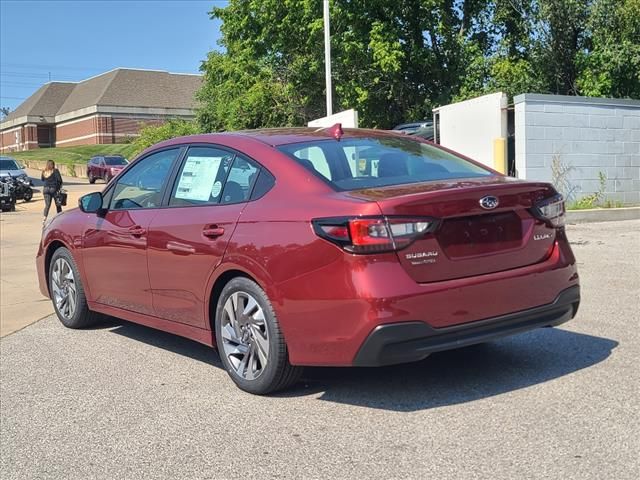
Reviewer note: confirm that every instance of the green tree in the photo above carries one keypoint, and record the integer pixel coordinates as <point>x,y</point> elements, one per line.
<point>610,66</point>
<point>395,60</point>
<point>152,134</point>
<point>391,60</point>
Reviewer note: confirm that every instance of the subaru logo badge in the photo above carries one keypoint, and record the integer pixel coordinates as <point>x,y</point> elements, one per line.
<point>489,202</point>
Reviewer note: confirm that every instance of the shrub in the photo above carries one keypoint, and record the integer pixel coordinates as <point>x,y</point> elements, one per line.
<point>152,134</point>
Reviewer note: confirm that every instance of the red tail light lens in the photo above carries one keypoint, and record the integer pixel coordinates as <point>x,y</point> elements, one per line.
<point>372,234</point>
<point>551,210</point>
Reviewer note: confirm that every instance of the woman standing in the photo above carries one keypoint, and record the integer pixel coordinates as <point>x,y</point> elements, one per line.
<point>52,185</point>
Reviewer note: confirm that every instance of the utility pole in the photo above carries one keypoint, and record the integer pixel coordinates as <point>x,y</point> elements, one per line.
<point>327,57</point>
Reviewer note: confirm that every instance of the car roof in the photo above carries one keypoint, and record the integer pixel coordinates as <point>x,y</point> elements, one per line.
<point>282,136</point>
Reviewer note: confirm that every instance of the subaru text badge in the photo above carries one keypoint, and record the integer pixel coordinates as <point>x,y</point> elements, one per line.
<point>489,202</point>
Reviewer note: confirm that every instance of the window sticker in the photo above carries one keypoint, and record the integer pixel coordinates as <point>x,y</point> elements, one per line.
<point>198,176</point>
<point>216,189</point>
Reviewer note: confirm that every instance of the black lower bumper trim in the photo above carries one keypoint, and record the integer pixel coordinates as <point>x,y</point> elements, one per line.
<point>411,341</point>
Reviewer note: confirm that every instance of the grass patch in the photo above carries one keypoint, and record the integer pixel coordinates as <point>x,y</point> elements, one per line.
<point>70,155</point>
<point>587,206</point>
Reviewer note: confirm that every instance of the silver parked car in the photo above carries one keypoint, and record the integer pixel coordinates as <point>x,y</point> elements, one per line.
<point>10,167</point>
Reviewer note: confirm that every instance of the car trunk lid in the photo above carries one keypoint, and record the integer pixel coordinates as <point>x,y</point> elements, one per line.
<point>469,239</point>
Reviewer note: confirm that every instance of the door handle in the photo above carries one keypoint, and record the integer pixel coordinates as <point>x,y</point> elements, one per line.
<point>213,231</point>
<point>137,231</point>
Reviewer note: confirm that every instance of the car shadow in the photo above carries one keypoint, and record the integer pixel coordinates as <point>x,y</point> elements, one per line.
<point>167,341</point>
<point>442,379</point>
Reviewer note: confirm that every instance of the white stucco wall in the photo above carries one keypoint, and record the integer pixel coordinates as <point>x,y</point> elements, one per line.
<point>470,127</point>
<point>587,135</point>
<point>348,119</point>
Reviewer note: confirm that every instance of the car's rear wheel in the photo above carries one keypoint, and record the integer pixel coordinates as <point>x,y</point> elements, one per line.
<point>28,195</point>
<point>92,179</point>
<point>67,292</point>
<point>107,178</point>
<point>250,342</point>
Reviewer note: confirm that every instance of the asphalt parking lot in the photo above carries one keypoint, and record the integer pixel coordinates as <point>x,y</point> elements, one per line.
<point>124,401</point>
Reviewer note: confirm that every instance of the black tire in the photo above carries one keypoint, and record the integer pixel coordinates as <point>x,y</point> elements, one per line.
<point>82,316</point>
<point>278,373</point>
<point>107,178</point>
<point>28,195</point>
<point>92,179</point>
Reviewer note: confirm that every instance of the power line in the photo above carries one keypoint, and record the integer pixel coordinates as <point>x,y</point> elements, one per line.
<point>52,67</point>
<point>24,74</point>
<point>19,84</point>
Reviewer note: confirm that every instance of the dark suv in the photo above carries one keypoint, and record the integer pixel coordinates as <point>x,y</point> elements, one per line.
<point>105,167</point>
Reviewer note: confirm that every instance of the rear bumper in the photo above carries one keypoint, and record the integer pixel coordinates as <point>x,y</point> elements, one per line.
<point>411,341</point>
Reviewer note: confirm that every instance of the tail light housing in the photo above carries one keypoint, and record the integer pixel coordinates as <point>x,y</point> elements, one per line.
<point>551,210</point>
<point>373,234</point>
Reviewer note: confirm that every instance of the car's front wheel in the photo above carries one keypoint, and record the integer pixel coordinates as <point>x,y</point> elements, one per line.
<point>67,292</point>
<point>249,340</point>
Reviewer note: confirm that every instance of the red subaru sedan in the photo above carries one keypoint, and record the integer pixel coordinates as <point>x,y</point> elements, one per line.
<point>293,247</point>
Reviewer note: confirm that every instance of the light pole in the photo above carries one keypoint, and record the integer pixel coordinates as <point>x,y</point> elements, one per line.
<point>327,56</point>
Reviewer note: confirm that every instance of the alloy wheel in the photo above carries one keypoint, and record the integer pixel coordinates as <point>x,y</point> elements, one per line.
<point>64,288</point>
<point>245,336</point>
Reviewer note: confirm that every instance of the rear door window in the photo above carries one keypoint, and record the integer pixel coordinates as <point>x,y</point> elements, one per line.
<point>201,177</point>
<point>211,176</point>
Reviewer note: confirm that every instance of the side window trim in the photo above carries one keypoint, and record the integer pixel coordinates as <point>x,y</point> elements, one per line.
<point>173,175</point>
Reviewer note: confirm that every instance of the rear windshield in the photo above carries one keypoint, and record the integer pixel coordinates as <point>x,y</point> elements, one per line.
<point>8,165</point>
<point>353,164</point>
<point>115,161</point>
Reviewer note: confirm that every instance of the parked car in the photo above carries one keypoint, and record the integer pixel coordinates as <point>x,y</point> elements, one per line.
<point>413,126</point>
<point>105,167</point>
<point>293,247</point>
<point>11,167</point>
<point>424,132</point>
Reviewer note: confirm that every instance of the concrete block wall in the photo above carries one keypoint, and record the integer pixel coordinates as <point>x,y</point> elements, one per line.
<point>587,135</point>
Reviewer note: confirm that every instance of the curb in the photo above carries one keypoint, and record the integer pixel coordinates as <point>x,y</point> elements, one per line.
<point>603,215</point>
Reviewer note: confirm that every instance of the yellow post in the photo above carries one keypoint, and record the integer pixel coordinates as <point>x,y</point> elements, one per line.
<point>500,154</point>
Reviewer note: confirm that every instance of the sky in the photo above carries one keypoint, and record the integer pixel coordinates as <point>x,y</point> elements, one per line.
<point>74,40</point>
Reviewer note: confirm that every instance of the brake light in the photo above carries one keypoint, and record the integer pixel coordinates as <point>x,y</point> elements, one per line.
<point>373,234</point>
<point>551,210</point>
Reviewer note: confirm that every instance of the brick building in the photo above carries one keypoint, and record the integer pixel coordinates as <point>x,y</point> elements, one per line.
<point>108,108</point>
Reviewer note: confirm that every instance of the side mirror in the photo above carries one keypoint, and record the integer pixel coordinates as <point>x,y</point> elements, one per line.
<point>91,202</point>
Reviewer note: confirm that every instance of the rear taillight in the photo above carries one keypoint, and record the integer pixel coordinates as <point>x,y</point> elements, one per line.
<point>551,210</point>
<point>373,234</point>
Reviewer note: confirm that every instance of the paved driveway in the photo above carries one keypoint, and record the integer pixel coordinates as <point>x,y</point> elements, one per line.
<point>124,401</point>
<point>20,300</point>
